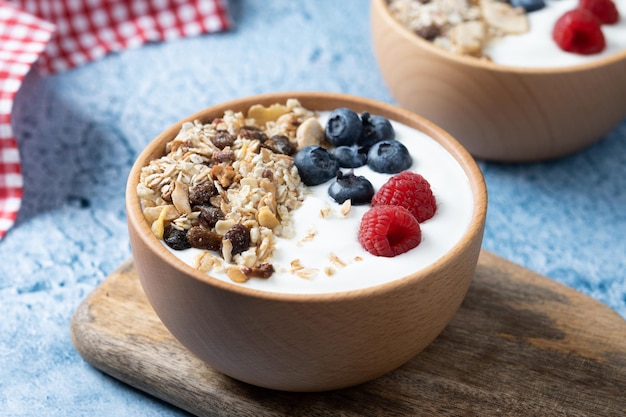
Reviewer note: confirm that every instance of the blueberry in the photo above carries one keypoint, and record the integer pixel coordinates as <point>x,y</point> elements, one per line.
<point>343,127</point>
<point>375,129</point>
<point>315,165</point>
<point>529,5</point>
<point>349,156</point>
<point>358,189</point>
<point>389,157</point>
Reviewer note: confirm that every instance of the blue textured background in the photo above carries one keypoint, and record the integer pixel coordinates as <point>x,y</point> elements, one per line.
<point>80,131</point>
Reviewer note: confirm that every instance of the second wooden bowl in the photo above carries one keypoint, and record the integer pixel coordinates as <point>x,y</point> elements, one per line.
<point>497,112</point>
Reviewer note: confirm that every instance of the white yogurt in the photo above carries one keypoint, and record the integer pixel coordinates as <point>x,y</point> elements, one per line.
<point>537,49</point>
<point>337,234</point>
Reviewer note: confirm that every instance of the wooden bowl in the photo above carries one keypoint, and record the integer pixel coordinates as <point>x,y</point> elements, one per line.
<point>498,112</point>
<point>302,342</point>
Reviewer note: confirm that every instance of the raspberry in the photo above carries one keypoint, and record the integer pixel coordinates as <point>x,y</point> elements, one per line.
<point>604,10</point>
<point>579,31</point>
<point>409,190</point>
<point>389,231</point>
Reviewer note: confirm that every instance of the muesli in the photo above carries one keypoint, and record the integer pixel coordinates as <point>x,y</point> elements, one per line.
<point>460,26</point>
<point>515,32</point>
<point>320,201</point>
<point>229,186</point>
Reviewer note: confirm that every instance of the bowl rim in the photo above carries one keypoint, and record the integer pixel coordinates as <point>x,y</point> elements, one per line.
<point>380,6</point>
<point>475,230</point>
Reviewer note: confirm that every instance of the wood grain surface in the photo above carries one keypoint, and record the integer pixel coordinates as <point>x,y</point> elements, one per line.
<point>520,345</point>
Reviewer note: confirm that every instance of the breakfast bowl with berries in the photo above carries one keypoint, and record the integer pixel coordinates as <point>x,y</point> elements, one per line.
<point>305,241</point>
<point>513,80</point>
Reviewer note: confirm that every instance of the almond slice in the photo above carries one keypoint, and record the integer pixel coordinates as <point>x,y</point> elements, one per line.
<point>502,16</point>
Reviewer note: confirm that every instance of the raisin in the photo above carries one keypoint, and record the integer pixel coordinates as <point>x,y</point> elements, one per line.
<point>429,32</point>
<point>280,144</point>
<point>223,139</point>
<point>269,174</point>
<point>175,238</point>
<point>202,238</point>
<point>251,132</point>
<point>217,200</point>
<point>201,194</point>
<point>239,236</point>
<point>224,156</point>
<point>264,270</point>
<point>209,215</point>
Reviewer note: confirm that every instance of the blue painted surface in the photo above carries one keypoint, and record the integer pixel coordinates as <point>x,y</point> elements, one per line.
<point>80,131</point>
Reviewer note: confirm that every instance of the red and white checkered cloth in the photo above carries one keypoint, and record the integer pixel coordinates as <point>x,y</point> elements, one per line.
<point>22,38</point>
<point>62,34</point>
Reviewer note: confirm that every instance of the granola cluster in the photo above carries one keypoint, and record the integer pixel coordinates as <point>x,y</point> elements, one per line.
<point>460,26</point>
<point>229,185</point>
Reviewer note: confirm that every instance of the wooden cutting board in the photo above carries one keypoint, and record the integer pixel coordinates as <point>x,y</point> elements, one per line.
<point>520,345</point>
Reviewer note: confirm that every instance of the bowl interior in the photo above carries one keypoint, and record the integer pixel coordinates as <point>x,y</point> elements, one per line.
<point>318,102</point>
<point>379,7</point>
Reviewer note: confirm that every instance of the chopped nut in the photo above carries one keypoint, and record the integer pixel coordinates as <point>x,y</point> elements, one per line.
<point>236,275</point>
<point>266,155</point>
<point>250,182</point>
<point>269,201</point>
<point>227,250</point>
<point>288,122</point>
<point>346,207</point>
<point>266,218</point>
<point>267,185</point>
<point>263,114</point>
<point>153,213</point>
<point>222,226</point>
<point>310,132</point>
<point>504,17</point>
<point>265,249</point>
<point>246,259</point>
<point>469,37</point>
<point>206,262</point>
<point>325,211</point>
<point>217,201</point>
<point>225,175</point>
<point>158,226</point>
<point>180,197</point>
